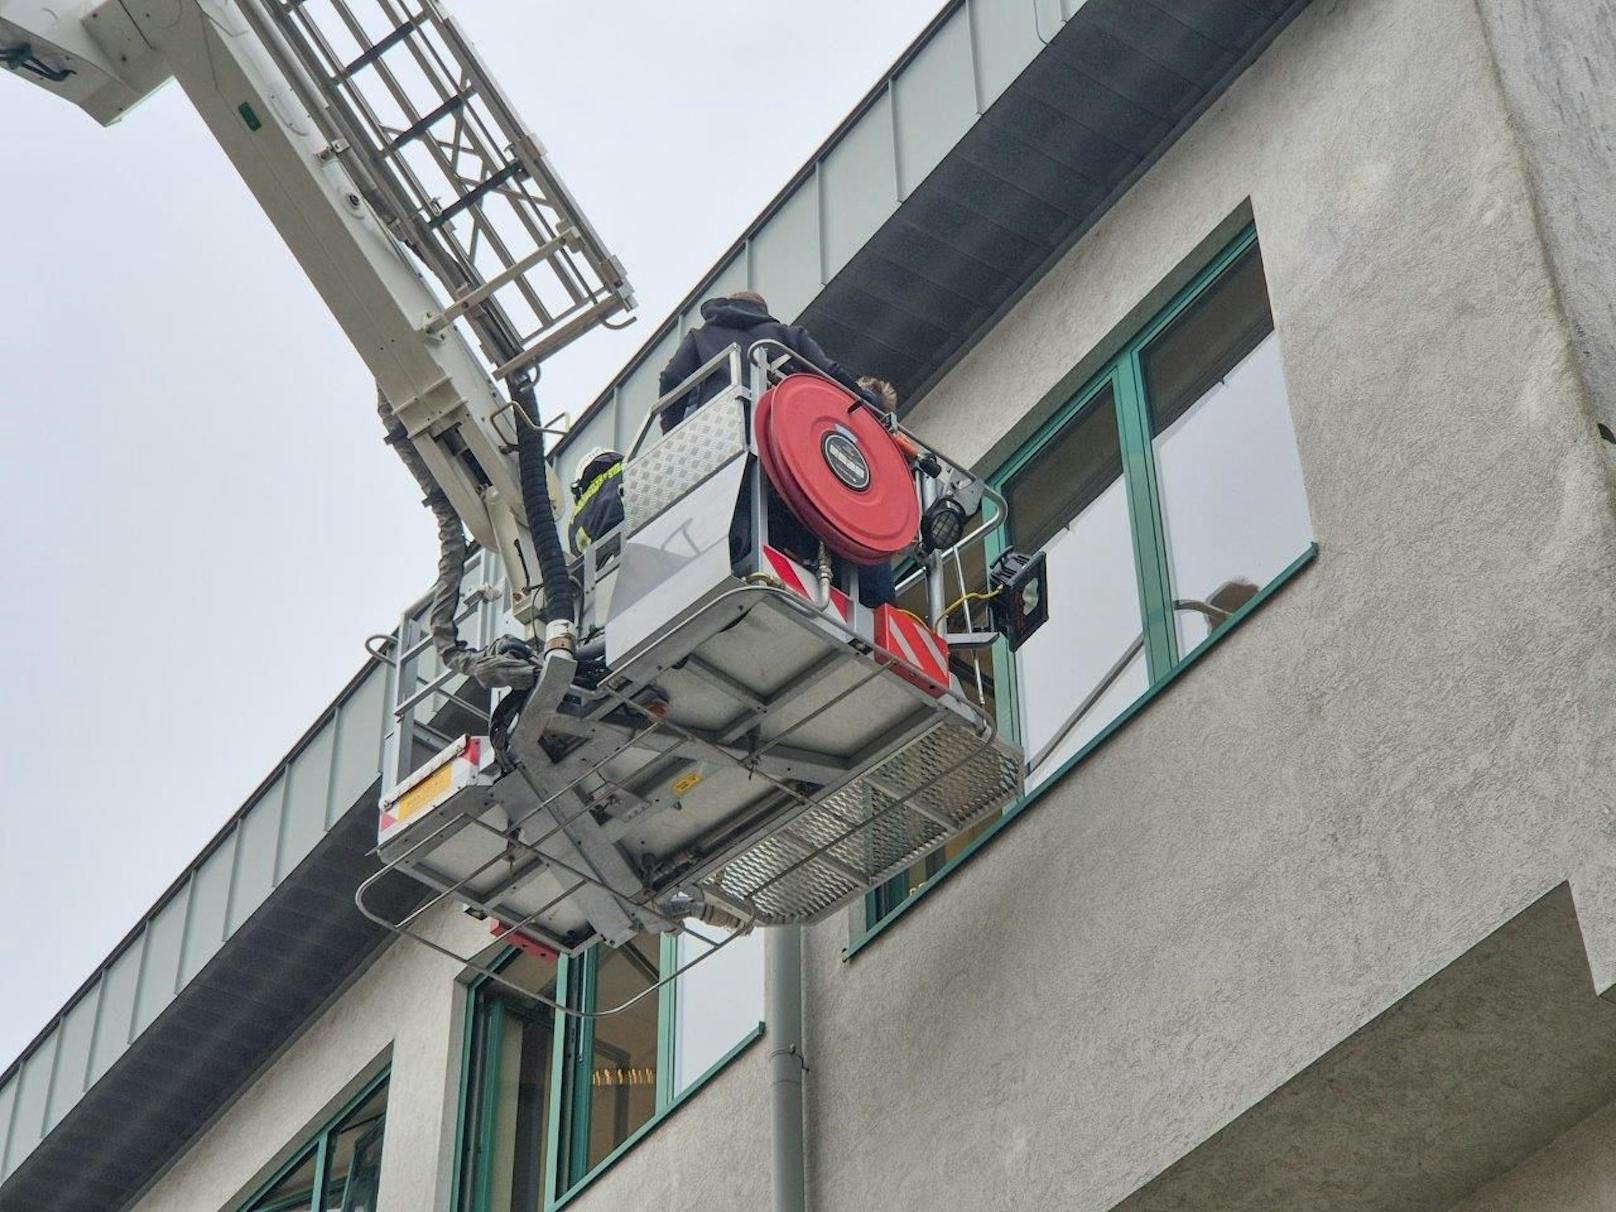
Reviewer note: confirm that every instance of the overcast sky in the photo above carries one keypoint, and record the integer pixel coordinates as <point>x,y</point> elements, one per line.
<point>198,521</point>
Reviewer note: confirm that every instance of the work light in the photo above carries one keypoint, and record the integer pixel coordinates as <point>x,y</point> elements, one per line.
<point>942,524</point>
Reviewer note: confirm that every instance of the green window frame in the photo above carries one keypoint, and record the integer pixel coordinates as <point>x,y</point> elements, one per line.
<point>1123,377</point>
<point>320,1148</point>
<point>566,1130</point>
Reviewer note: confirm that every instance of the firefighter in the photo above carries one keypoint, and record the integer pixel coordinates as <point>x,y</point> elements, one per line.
<point>739,319</point>
<point>597,498</point>
<point>743,319</point>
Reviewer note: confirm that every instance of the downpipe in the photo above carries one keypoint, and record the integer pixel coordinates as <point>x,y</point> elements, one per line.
<point>782,1014</point>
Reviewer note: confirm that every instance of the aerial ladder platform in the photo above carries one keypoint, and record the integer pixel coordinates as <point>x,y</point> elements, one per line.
<point>699,721</point>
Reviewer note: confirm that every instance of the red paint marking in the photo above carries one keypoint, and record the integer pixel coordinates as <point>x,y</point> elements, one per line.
<point>912,650</point>
<point>786,571</point>
<point>523,942</point>
<point>797,579</point>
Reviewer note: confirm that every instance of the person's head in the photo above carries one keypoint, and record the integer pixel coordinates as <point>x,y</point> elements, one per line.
<point>752,297</point>
<point>887,392</point>
<point>597,462</point>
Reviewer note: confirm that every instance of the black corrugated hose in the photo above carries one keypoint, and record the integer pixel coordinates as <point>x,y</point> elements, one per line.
<point>541,520</point>
<point>505,662</point>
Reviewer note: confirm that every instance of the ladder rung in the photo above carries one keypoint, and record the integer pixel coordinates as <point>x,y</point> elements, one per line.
<point>419,127</point>
<point>381,48</point>
<point>485,188</point>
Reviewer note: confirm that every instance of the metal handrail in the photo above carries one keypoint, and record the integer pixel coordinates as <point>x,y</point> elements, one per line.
<point>1111,675</point>
<point>730,353</point>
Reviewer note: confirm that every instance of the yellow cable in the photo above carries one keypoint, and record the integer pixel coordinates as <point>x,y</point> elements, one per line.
<point>969,597</point>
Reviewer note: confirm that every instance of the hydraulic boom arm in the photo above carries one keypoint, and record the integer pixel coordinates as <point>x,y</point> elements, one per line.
<point>383,152</point>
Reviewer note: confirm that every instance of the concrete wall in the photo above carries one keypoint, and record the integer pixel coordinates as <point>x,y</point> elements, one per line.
<point>404,1010</point>
<point>1396,755</point>
<point>1577,1173</point>
<point>1554,63</point>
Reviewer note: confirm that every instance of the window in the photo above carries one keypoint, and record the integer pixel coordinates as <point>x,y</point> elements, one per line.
<point>550,1099</point>
<point>340,1169</point>
<point>1233,508</point>
<point>1166,495</point>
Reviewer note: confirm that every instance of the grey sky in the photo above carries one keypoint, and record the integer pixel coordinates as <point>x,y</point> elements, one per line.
<point>198,521</point>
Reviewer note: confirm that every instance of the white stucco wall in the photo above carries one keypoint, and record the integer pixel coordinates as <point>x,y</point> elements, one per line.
<point>1577,1173</point>
<point>1397,754</point>
<point>403,1011</point>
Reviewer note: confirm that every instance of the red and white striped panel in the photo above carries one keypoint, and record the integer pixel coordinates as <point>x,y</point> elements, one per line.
<point>801,582</point>
<point>914,651</point>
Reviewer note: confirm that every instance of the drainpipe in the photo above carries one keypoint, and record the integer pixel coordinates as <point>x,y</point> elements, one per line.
<point>783,1019</point>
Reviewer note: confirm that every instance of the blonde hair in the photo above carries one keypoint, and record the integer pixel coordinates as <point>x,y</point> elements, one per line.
<point>887,392</point>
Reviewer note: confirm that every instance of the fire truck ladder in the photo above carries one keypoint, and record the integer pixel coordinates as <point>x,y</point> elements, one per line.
<point>439,153</point>
<point>760,758</point>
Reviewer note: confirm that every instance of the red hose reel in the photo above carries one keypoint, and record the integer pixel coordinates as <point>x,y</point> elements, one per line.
<point>837,468</point>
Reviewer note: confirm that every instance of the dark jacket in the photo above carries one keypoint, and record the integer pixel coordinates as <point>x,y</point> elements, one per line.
<point>598,510</point>
<point>727,322</point>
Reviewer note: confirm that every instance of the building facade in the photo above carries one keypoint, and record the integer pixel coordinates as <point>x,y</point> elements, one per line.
<point>1287,331</point>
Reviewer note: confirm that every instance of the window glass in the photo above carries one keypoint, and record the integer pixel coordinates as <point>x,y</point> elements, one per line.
<point>546,1091</point>
<point>354,1158</point>
<point>512,1088</point>
<point>1177,481</point>
<point>517,1170</point>
<point>623,1075</point>
<point>1230,480</point>
<point>1082,668</point>
<point>296,1190</point>
<point>717,1002</point>
<point>349,1173</point>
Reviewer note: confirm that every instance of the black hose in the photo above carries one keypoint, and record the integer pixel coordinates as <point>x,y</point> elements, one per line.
<point>541,519</point>
<point>505,662</point>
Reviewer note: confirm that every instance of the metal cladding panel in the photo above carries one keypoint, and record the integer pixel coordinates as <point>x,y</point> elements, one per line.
<point>1083,120</point>
<point>1077,97</point>
<point>634,399</point>
<point>1049,16</point>
<point>785,254</point>
<point>935,101</point>
<point>8,1103</point>
<point>210,903</point>
<point>1007,39</point>
<point>117,1009</point>
<point>361,722</point>
<point>221,1029</point>
<point>33,1091</point>
<point>160,967</point>
<point>859,184</point>
<point>731,277</point>
<point>1146,29</point>
<point>339,757</point>
<point>308,783</point>
<point>259,836</point>
<point>77,1034</point>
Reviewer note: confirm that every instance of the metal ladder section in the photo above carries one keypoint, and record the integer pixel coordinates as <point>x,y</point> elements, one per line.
<point>443,158</point>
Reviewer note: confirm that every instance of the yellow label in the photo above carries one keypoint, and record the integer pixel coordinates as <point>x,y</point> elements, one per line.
<point>685,782</point>
<point>424,792</point>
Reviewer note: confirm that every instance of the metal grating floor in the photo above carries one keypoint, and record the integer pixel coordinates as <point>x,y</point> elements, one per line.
<point>929,791</point>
